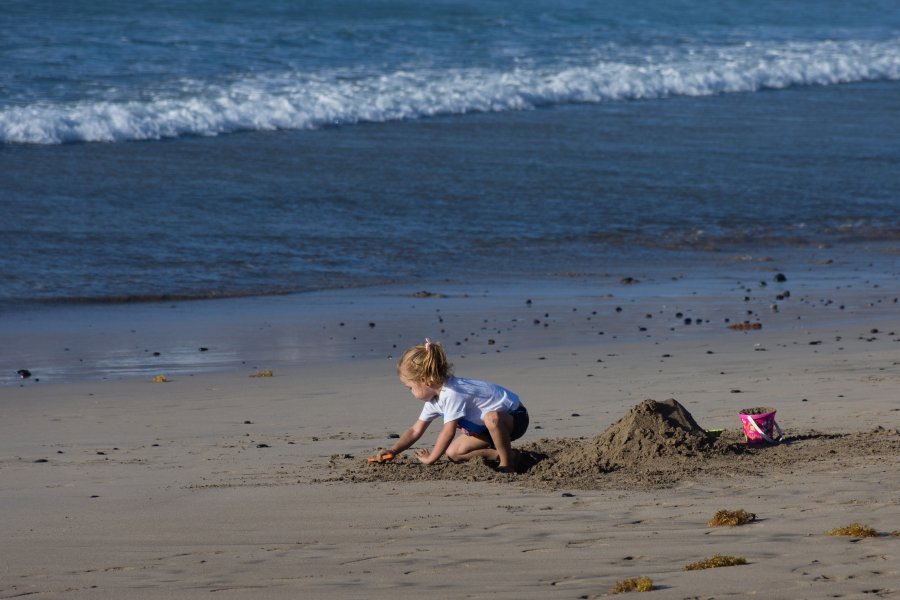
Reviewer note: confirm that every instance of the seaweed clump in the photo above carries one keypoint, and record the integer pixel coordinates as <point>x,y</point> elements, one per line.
<point>856,530</point>
<point>731,518</point>
<point>635,584</point>
<point>717,560</point>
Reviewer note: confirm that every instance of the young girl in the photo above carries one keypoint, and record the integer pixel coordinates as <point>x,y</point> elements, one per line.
<point>489,415</point>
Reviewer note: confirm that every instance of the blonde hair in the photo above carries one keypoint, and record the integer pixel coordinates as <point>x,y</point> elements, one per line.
<point>427,363</point>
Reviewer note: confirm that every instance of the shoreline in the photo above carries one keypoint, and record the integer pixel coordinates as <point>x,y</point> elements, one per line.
<point>67,343</point>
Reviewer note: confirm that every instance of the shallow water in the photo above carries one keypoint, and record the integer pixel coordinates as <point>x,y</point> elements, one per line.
<point>386,142</point>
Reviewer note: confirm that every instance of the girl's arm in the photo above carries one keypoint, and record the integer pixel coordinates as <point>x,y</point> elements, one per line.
<point>410,436</point>
<point>440,445</point>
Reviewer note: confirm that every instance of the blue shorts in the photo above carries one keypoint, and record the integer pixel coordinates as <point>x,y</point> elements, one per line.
<point>520,426</point>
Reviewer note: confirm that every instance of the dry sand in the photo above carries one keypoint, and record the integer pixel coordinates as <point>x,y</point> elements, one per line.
<point>258,487</point>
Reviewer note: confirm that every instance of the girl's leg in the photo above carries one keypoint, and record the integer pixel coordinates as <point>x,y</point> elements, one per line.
<point>499,426</point>
<point>464,447</point>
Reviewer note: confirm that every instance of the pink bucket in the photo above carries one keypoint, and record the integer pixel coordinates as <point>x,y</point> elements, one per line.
<point>760,428</point>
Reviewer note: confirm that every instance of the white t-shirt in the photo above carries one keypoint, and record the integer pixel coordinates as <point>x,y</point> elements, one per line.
<point>466,401</point>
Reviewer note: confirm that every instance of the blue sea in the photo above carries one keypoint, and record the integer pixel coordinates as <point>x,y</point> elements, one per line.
<point>160,149</point>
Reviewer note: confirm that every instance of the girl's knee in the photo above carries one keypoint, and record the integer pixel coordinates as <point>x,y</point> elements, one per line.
<point>494,420</point>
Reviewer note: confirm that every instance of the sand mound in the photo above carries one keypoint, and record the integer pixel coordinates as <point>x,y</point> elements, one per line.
<point>650,432</point>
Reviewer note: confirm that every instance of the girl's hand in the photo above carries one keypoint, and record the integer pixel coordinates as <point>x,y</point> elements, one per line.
<point>423,455</point>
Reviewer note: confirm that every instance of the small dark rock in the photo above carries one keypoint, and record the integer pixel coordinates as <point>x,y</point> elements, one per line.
<point>393,436</point>
<point>567,495</point>
<point>204,349</point>
<point>371,324</point>
<point>780,277</point>
<point>41,460</point>
<point>262,445</point>
<point>24,373</point>
<point>248,422</point>
<point>735,391</point>
<point>576,415</point>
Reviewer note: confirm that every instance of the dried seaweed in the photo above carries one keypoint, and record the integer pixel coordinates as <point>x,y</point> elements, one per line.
<point>856,530</point>
<point>745,326</point>
<point>717,560</point>
<point>635,584</point>
<point>731,518</point>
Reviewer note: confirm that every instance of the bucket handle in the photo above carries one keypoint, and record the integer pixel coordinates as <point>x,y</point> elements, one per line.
<point>763,433</point>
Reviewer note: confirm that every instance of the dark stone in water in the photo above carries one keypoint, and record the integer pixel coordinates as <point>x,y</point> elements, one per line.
<point>780,277</point>
<point>24,373</point>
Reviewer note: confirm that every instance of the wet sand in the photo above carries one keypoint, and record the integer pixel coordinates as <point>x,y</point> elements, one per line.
<point>258,486</point>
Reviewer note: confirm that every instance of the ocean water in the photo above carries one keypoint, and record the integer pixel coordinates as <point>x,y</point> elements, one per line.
<point>194,149</point>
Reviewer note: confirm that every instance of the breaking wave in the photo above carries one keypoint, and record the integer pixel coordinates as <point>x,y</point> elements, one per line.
<point>297,100</point>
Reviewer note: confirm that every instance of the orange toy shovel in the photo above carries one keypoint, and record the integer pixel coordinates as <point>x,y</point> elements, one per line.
<point>382,458</point>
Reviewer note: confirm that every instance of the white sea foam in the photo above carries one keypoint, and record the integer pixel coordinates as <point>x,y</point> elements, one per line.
<point>304,101</point>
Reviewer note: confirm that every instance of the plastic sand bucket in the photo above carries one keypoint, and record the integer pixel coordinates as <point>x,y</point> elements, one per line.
<point>760,427</point>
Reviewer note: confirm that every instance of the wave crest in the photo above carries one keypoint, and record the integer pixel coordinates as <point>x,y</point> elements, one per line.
<point>302,101</point>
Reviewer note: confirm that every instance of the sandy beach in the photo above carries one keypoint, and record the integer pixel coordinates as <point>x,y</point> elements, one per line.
<point>120,487</point>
